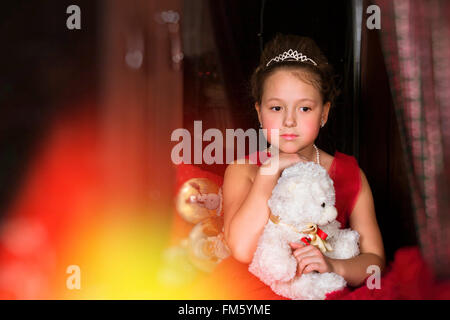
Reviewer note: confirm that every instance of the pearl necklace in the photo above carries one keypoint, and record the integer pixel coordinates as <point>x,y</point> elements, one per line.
<point>317,154</point>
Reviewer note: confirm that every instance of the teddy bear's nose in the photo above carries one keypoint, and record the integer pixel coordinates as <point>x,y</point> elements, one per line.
<point>323,205</point>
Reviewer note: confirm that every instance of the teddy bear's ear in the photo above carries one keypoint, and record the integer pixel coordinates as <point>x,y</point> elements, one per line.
<point>317,191</point>
<point>326,183</point>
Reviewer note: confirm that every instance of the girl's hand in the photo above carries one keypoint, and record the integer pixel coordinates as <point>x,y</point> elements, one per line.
<point>284,160</point>
<point>309,259</point>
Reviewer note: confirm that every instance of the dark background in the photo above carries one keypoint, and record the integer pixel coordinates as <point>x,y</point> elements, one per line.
<point>45,70</point>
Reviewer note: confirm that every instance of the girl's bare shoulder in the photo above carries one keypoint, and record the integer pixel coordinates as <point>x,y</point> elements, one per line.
<point>326,160</point>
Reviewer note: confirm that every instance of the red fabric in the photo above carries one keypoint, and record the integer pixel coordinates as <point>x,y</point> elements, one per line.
<point>408,277</point>
<point>345,174</point>
<point>233,277</point>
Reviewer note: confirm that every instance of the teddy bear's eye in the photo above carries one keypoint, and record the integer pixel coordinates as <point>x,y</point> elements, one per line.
<point>323,205</point>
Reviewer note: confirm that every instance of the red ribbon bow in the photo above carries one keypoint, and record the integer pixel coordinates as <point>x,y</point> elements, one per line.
<point>320,233</point>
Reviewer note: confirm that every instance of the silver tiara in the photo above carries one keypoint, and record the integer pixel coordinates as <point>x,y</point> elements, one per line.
<point>291,55</point>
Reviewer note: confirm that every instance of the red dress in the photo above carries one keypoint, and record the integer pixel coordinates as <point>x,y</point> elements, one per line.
<point>232,278</point>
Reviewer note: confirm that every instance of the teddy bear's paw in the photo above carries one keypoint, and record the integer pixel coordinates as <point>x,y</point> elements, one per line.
<point>345,245</point>
<point>285,289</point>
<point>315,286</point>
<point>271,271</point>
<point>284,271</point>
<point>274,259</point>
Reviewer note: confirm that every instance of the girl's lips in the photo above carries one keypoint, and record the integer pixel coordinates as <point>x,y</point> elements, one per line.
<point>289,136</point>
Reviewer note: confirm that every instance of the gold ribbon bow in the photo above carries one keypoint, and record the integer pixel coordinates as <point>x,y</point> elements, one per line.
<point>316,236</point>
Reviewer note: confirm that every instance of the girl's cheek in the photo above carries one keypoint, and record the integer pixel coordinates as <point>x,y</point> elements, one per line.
<point>270,125</point>
<point>309,128</point>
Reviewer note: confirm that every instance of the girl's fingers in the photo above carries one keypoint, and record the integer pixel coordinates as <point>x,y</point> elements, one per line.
<point>301,255</point>
<point>304,249</point>
<point>295,245</point>
<point>311,267</point>
<point>306,256</point>
<point>304,262</point>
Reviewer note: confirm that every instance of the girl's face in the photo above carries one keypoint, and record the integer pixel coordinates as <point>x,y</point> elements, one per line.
<point>294,107</point>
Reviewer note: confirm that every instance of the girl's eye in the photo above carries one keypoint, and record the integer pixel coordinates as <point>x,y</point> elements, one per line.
<point>279,108</point>
<point>305,109</point>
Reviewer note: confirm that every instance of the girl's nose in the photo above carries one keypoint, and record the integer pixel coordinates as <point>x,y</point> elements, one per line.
<point>289,120</point>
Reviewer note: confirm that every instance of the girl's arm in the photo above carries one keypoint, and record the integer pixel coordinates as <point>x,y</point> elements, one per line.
<point>364,221</point>
<point>245,208</point>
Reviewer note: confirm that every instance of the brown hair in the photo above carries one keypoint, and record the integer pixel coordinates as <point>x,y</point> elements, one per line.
<point>321,76</point>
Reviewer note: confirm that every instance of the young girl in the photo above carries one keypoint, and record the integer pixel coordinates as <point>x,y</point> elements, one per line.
<point>293,89</point>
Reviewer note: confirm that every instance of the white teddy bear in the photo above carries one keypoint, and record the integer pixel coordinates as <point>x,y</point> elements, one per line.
<point>302,209</point>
